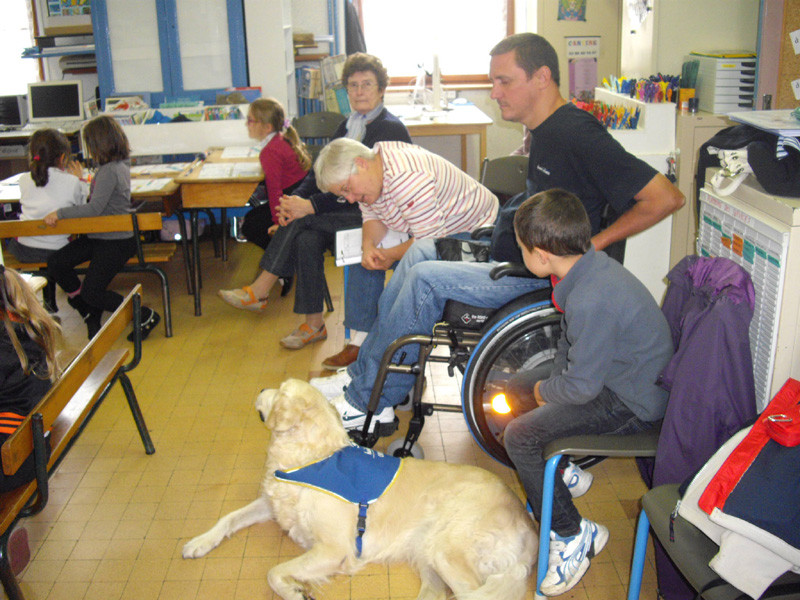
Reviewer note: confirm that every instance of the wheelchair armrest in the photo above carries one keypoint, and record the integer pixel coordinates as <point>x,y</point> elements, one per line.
<point>482,232</point>
<point>509,269</point>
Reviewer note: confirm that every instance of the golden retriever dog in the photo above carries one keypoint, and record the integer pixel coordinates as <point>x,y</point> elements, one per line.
<point>459,526</point>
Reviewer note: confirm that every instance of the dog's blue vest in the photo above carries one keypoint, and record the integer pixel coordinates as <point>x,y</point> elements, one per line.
<point>353,474</point>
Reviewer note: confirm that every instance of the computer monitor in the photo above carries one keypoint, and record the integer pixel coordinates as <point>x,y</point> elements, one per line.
<point>13,111</point>
<point>55,101</point>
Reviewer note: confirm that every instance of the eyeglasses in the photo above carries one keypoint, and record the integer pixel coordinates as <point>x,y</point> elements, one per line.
<point>367,86</point>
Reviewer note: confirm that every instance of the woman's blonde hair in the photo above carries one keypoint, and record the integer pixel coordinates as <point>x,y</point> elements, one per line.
<point>270,111</point>
<point>19,305</point>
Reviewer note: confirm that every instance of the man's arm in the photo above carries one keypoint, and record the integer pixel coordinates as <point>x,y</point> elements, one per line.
<point>658,199</point>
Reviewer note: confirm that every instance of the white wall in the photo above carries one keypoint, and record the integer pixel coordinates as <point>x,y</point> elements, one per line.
<point>678,27</point>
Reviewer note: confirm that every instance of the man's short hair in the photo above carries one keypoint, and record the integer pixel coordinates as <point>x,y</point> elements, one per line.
<point>336,162</point>
<point>554,221</point>
<point>531,52</point>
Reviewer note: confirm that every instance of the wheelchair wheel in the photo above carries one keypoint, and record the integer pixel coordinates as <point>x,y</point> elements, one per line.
<point>521,339</point>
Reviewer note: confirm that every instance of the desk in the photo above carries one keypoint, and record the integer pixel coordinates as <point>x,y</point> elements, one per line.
<point>215,183</point>
<point>460,119</point>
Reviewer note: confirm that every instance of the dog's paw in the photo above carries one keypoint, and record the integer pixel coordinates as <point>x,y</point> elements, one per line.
<point>199,546</point>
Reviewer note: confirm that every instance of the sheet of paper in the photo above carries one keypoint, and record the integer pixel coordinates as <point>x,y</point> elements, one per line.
<point>216,171</point>
<point>239,152</point>
<point>141,186</point>
<point>348,247</point>
<point>246,169</point>
<point>160,168</point>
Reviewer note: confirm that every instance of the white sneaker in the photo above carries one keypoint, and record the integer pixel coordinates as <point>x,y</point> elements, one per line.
<point>332,386</point>
<point>570,557</point>
<point>577,480</point>
<point>353,418</point>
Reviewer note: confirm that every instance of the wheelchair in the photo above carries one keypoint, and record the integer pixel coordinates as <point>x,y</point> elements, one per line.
<point>488,346</point>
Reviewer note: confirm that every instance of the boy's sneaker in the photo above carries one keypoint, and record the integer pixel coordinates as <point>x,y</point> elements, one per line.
<point>570,557</point>
<point>303,336</point>
<point>353,418</point>
<point>332,386</point>
<point>577,480</point>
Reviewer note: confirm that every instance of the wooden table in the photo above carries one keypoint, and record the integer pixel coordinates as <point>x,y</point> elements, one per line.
<point>203,190</point>
<point>459,119</point>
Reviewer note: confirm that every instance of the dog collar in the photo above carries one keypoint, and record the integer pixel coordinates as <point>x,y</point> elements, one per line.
<point>354,474</point>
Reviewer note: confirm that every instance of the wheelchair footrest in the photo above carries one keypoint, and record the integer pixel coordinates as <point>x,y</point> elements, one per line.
<point>384,429</point>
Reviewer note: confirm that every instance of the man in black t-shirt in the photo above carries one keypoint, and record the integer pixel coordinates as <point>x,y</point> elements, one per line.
<point>569,149</point>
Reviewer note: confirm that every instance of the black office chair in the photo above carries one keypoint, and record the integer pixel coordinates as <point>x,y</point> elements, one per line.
<point>505,176</point>
<point>316,129</point>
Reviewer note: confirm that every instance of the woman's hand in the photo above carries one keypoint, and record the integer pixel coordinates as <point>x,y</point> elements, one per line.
<point>51,219</point>
<point>293,207</point>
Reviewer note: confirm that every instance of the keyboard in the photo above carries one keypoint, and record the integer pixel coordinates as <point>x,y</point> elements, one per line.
<point>68,126</point>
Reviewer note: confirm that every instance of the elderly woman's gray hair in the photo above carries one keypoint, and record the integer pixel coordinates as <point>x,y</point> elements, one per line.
<point>336,162</point>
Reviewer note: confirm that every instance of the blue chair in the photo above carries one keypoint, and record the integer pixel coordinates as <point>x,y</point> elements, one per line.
<point>597,447</point>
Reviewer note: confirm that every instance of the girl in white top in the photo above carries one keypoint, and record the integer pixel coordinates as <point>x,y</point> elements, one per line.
<point>52,183</point>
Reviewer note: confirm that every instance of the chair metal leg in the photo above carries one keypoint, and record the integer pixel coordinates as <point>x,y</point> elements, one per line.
<point>138,418</point>
<point>326,294</point>
<point>164,298</point>
<point>546,520</point>
<point>7,577</point>
<point>344,299</point>
<point>187,255</point>
<point>639,554</point>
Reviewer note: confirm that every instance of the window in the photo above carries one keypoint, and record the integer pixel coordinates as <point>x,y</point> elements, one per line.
<point>407,33</point>
<point>15,36</point>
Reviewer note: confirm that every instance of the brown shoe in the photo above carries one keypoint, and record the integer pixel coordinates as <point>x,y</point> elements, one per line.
<point>346,357</point>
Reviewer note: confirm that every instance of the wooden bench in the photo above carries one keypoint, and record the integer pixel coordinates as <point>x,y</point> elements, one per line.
<point>65,411</point>
<point>143,262</point>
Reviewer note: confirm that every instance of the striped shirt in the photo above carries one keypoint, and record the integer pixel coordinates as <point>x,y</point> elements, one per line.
<point>427,196</point>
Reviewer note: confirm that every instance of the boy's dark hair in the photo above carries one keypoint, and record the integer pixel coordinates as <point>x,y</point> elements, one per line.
<point>554,221</point>
<point>359,62</point>
<point>531,52</point>
<point>105,140</point>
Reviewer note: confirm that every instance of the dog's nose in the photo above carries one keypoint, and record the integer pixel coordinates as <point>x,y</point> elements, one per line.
<point>261,415</point>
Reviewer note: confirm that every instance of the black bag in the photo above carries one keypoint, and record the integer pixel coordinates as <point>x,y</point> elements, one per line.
<point>259,195</point>
<point>458,250</point>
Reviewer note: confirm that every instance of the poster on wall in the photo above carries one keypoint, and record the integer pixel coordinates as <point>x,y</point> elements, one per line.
<point>582,55</point>
<point>571,10</point>
<point>68,8</point>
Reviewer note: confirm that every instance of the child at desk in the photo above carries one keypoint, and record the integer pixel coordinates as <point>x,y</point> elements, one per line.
<point>107,253</point>
<point>29,338</point>
<point>52,183</point>
<point>284,161</point>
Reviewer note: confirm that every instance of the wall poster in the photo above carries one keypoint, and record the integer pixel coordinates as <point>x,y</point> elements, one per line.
<point>582,55</point>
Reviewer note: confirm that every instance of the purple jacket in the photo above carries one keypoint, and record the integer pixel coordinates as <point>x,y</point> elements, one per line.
<point>708,306</point>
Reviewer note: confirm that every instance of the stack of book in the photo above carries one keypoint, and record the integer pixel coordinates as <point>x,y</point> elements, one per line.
<point>725,81</point>
<point>335,94</point>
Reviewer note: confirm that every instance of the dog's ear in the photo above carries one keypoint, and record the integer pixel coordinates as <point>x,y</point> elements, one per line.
<point>287,411</point>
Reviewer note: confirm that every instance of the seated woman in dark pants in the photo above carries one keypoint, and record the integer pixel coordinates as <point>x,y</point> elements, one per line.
<point>309,219</point>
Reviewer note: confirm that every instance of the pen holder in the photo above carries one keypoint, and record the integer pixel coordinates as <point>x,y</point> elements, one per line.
<point>683,97</point>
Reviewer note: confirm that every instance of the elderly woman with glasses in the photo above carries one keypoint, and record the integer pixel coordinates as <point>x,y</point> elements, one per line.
<point>310,218</point>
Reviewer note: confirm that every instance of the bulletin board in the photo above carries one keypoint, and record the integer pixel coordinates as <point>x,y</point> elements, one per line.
<point>789,63</point>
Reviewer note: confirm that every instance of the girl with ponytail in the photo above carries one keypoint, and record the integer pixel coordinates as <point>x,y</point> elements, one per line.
<point>53,182</point>
<point>284,160</point>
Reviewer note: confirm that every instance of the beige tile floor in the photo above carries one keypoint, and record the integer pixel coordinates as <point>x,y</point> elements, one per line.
<point>117,519</point>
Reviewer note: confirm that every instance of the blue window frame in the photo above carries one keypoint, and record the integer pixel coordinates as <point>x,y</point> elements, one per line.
<point>169,45</point>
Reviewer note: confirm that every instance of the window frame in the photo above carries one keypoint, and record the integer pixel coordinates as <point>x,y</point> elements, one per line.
<point>449,80</point>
